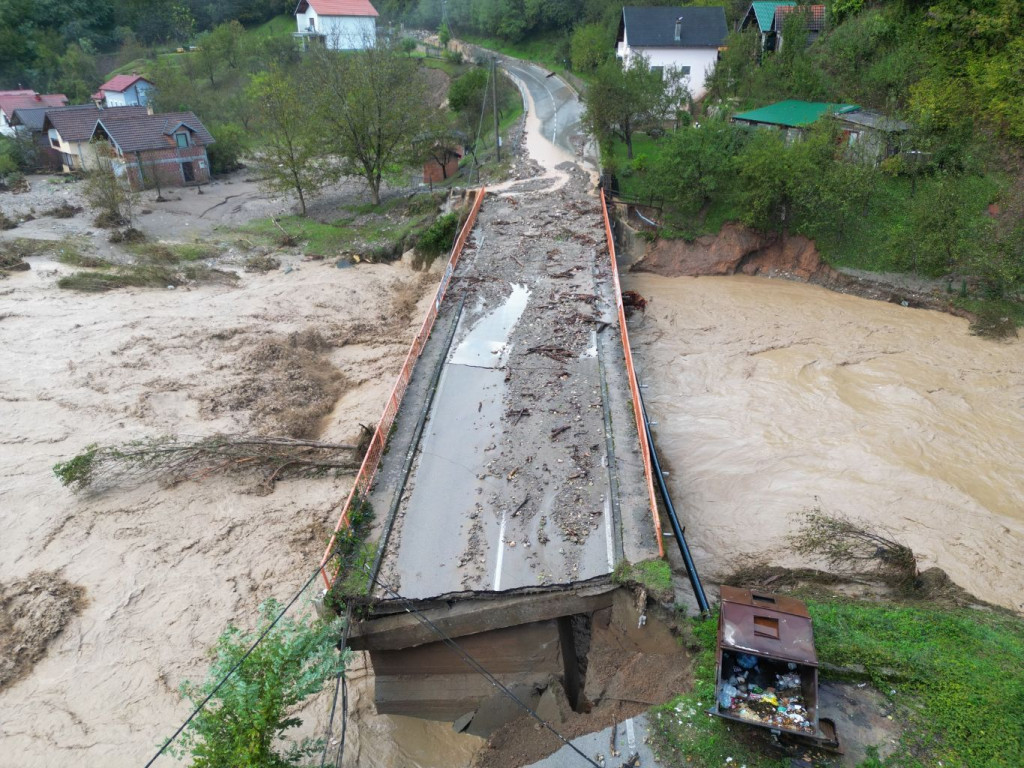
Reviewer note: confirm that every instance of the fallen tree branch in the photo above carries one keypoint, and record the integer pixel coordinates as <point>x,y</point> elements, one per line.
<point>173,459</point>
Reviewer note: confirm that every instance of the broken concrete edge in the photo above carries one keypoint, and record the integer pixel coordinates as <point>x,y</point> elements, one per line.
<point>469,613</point>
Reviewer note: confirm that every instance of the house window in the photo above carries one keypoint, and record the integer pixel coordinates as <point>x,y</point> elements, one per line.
<point>659,72</point>
<point>684,71</point>
<point>54,142</point>
<point>181,139</point>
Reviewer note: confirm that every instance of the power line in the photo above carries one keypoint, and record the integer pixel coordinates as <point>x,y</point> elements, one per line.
<point>477,666</point>
<point>341,683</point>
<point>235,668</point>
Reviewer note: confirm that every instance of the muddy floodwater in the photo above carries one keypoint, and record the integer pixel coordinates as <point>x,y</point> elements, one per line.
<point>773,397</point>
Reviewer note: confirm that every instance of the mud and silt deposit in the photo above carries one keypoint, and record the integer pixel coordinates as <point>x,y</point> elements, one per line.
<point>156,573</point>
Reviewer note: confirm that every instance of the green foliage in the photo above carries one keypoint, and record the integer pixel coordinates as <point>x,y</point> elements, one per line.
<point>696,164</point>
<point>408,45</point>
<point>591,47</point>
<point>942,232</point>
<point>250,716</point>
<point>623,100</point>
<point>77,471</point>
<point>370,106</point>
<point>230,141</point>
<point>654,575</point>
<point>959,689</point>
<point>440,236</point>
<point>467,93</point>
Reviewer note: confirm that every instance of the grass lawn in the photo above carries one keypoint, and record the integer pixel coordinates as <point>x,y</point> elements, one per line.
<point>960,689</point>
<point>366,230</point>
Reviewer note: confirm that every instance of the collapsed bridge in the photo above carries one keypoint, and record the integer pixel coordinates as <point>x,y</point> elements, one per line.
<point>507,477</point>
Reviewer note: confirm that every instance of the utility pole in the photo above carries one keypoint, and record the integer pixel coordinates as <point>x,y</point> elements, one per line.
<point>494,98</point>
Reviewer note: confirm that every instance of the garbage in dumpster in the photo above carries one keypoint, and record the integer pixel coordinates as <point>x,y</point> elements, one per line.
<point>760,695</point>
<point>768,667</point>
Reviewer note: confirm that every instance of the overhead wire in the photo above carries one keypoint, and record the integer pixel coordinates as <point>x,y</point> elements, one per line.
<point>477,666</point>
<point>237,665</point>
<point>341,683</point>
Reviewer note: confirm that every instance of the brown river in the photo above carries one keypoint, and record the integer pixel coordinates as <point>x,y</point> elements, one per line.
<point>774,397</point>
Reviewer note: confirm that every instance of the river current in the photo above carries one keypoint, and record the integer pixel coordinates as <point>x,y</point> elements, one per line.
<point>776,397</point>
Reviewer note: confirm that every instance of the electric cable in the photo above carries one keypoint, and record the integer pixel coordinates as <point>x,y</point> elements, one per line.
<point>477,666</point>
<point>337,686</point>
<point>480,125</point>
<point>235,668</point>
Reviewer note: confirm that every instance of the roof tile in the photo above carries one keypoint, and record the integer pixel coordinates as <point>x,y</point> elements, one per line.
<point>121,83</point>
<point>147,132</point>
<point>339,7</point>
<point>12,100</point>
<point>78,123</point>
<point>655,27</point>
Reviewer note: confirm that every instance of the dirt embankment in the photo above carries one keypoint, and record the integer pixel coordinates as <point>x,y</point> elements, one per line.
<point>739,250</point>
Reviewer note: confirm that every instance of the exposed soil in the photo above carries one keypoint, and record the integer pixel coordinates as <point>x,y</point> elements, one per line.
<point>629,670</point>
<point>33,612</point>
<point>737,249</point>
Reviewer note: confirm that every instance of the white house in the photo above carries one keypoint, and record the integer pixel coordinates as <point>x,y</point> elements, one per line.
<point>343,25</point>
<point>24,99</point>
<point>686,38</point>
<point>124,91</point>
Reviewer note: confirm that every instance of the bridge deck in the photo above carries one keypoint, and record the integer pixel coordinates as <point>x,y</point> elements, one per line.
<point>528,471</point>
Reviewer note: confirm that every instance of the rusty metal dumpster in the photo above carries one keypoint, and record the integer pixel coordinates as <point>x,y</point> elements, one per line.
<point>767,672</point>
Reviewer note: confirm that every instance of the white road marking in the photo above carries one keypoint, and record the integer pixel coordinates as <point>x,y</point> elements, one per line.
<point>501,554</point>
<point>608,531</point>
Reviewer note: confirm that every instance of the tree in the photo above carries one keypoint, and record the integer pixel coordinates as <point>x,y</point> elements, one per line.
<point>697,164</point>
<point>372,103</point>
<point>769,182</point>
<point>625,99</point>
<point>292,145</point>
<point>247,719</point>
<point>590,47</point>
<point>444,35</point>
<point>228,146</point>
<point>944,231</point>
<point>225,42</point>
<point>111,196</point>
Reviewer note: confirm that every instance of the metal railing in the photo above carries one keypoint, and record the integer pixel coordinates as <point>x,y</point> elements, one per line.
<point>371,461</point>
<point>645,448</point>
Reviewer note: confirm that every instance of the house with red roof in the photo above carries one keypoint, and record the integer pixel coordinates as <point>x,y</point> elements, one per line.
<point>341,25</point>
<point>24,99</point>
<point>124,91</point>
<point>167,149</point>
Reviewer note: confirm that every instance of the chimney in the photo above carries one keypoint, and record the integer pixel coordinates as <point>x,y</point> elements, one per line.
<point>679,28</point>
<point>149,109</point>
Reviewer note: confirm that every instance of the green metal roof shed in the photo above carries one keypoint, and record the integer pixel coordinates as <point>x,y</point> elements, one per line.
<point>764,12</point>
<point>792,113</point>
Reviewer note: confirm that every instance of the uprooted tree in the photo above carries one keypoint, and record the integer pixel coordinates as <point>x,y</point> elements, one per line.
<point>848,547</point>
<point>172,459</point>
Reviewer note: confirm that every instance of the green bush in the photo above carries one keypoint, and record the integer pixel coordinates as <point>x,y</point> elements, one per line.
<point>227,148</point>
<point>440,235</point>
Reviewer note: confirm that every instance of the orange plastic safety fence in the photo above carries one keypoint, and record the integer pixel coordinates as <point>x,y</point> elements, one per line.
<point>645,449</point>
<point>371,461</point>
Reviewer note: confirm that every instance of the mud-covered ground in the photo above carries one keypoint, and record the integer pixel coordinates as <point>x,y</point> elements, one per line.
<point>128,588</point>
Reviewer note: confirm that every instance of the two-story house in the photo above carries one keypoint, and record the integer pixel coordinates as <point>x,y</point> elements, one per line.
<point>341,25</point>
<point>688,39</point>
